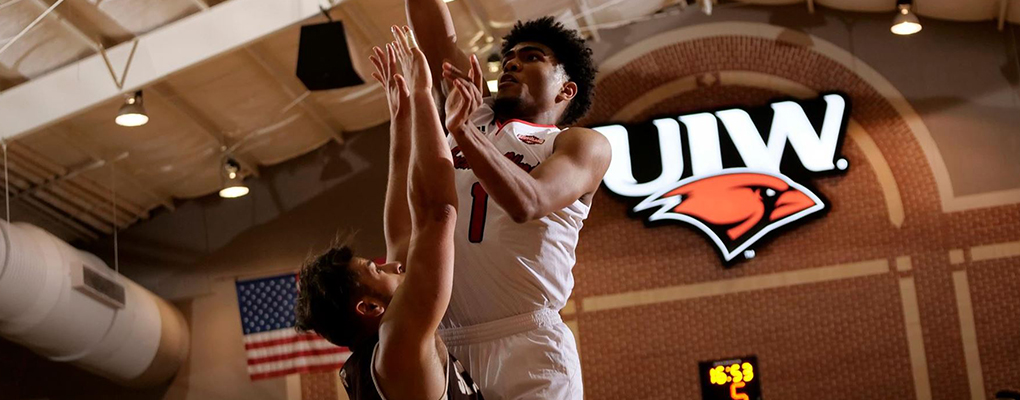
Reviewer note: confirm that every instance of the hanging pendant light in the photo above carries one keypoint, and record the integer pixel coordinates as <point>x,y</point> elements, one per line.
<point>233,183</point>
<point>706,6</point>
<point>905,22</point>
<point>494,62</point>
<point>132,113</point>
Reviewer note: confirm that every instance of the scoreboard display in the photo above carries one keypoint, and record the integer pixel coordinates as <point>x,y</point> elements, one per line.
<point>731,379</point>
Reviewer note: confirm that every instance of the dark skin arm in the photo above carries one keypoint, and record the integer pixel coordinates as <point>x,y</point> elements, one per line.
<point>437,36</point>
<point>579,161</point>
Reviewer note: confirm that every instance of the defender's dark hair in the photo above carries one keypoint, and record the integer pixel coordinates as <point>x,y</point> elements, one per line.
<point>327,291</point>
<point>571,52</point>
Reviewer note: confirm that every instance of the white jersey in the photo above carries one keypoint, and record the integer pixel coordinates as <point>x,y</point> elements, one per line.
<point>503,268</point>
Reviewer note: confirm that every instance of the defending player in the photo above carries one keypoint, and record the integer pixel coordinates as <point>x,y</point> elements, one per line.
<point>387,316</point>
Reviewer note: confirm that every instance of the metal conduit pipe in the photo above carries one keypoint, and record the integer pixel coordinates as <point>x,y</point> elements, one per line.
<point>69,306</point>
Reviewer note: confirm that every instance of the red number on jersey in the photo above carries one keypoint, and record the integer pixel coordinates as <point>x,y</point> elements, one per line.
<point>479,206</point>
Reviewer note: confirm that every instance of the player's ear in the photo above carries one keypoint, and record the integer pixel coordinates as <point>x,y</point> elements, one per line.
<point>567,91</point>
<point>370,307</point>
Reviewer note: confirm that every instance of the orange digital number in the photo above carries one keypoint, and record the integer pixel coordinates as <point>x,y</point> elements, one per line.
<point>734,394</point>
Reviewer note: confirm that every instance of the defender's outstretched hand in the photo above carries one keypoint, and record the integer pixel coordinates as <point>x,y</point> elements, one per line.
<point>412,61</point>
<point>388,75</point>
<point>465,94</point>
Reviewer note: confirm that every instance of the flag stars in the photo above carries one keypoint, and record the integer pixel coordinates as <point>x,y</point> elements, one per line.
<point>267,304</point>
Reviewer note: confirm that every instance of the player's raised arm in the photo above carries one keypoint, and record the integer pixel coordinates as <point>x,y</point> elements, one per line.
<point>408,364</point>
<point>396,215</point>
<point>437,36</point>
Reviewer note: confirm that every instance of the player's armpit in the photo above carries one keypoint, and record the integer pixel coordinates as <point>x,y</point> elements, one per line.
<point>403,374</point>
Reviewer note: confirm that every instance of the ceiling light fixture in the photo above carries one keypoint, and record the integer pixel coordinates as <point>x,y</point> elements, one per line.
<point>495,63</point>
<point>706,6</point>
<point>233,183</point>
<point>132,113</point>
<point>905,22</point>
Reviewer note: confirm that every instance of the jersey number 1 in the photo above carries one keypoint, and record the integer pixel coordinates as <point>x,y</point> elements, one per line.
<point>479,206</point>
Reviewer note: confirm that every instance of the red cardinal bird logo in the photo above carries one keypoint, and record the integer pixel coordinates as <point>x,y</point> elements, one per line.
<point>736,207</point>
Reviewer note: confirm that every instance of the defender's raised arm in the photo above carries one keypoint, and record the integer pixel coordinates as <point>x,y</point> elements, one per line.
<point>408,360</point>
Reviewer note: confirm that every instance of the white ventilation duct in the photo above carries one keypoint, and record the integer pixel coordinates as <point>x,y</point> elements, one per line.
<point>67,305</point>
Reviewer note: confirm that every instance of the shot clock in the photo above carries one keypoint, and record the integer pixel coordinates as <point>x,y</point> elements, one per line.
<point>730,379</point>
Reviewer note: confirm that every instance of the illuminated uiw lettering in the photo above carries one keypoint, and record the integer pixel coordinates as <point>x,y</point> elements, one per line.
<point>748,169</point>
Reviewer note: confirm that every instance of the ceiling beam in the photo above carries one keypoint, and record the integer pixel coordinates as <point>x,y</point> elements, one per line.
<point>201,4</point>
<point>47,211</point>
<point>589,20</point>
<point>10,81</point>
<point>172,48</point>
<point>294,89</point>
<point>75,212</point>
<point>67,174</point>
<point>123,174</point>
<point>84,187</point>
<point>77,17</point>
<point>351,11</point>
<point>23,180</point>
<point>39,183</point>
<point>478,12</point>
<point>178,103</point>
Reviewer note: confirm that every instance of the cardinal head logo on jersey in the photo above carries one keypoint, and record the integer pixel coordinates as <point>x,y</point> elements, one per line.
<point>741,193</point>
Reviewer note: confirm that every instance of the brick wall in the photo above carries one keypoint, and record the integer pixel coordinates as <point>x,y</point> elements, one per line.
<point>841,338</point>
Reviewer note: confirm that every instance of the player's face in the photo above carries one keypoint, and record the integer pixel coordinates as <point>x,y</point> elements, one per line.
<point>382,279</point>
<point>530,76</point>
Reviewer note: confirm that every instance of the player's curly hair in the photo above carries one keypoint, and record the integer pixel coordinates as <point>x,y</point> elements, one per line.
<point>572,53</point>
<point>327,290</point>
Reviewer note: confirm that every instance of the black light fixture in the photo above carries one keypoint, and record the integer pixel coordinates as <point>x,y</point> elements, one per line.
<point>324,61</point>
<point>905,22</point>
<point>132,113</point>
<point>233,183</point>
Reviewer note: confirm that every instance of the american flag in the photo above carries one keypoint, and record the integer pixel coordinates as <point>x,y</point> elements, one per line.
<point>274,348</point>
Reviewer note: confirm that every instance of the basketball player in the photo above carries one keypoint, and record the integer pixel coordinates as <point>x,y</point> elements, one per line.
<point>387,316</point>
<point>524,187</point>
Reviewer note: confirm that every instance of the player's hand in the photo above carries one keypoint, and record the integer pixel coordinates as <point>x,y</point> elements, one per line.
<point>412,61</point>
<point>465,94</point>
<point>459,111</point>
<point>387,74</point>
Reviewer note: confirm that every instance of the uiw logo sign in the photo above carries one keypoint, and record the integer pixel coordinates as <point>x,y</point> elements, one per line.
<point>746,173</point>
